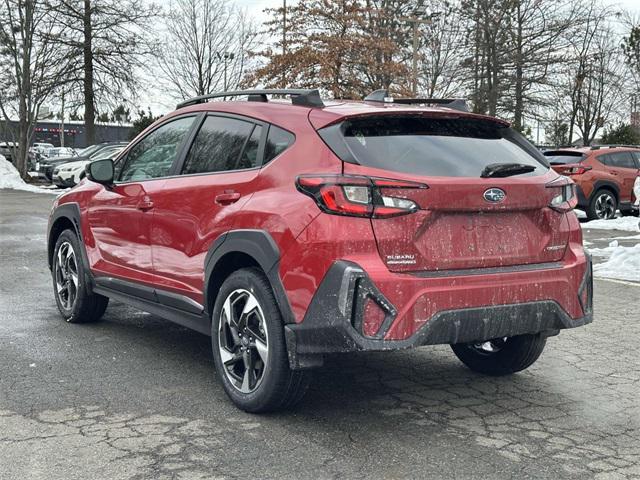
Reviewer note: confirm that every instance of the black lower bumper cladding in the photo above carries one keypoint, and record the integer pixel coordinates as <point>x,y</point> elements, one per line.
<point>334,318</point>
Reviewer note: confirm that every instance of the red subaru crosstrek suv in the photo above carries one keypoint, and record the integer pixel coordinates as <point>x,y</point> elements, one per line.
<point>604,177</point>
<point>292,230</point>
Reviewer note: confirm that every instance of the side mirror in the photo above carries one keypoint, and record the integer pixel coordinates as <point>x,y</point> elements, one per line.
<point>100,171</point>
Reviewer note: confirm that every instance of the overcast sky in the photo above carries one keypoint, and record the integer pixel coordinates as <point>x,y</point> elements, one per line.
<point>159,104</point>
<point>255,7</point>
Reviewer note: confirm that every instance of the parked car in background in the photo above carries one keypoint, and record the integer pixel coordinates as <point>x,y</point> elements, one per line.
<point>60,152</point>
<point>7,150</point>
<point>41,148</point>
<point>70,174</point>
<point>292,231</point>
<point>604,176</point>
<point>48,165</point>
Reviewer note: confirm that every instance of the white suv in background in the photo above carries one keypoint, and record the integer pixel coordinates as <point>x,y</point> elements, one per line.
<point>70,174</point>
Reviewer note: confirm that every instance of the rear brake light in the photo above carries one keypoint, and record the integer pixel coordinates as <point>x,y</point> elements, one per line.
<point>565,197</point>
<point>358,196</point>
<point>576,170</point>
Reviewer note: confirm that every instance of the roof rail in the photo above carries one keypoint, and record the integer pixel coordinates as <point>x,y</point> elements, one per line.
<point>299,96</point>
<point>613,145</point>
<point>382,96</point>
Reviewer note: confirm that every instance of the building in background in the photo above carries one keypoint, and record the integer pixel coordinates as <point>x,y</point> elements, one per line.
<point>74,133</point>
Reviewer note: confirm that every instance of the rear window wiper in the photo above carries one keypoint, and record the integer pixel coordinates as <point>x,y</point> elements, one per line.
<point>506,169</point>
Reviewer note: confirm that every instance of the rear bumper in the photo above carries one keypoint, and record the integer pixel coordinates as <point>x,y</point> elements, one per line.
<point>334,320</point>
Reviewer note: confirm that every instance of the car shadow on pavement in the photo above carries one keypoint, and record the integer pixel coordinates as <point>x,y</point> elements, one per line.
<point>428,382</point>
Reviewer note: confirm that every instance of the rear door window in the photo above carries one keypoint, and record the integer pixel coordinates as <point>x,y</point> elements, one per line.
<point>448,147</point>
<point>621,160</point>
<point>218,146</point>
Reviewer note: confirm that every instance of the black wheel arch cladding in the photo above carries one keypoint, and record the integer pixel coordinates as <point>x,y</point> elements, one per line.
<point>65,215</point>
<point>259,246</point>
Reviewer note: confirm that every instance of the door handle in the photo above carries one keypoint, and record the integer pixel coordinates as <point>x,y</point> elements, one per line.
<point>227,198</point>
<point>145,204</point>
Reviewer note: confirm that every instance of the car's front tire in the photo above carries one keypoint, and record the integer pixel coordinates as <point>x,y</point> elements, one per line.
<point>71,288</point>
<point>249,348</point>
<point>501,356</point>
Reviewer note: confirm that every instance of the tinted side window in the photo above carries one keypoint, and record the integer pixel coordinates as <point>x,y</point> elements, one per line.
<point>278,141</point>
<point>153,156</point>
<point>604,159</point>
<point>636,155</point>
<point>217,145</point>
<point>622,160</point>
<point>249,158</point>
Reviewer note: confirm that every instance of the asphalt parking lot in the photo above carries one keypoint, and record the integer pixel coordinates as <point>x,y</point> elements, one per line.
<point>134,397</point>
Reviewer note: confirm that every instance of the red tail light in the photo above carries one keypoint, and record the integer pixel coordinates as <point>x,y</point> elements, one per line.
<point>574,169</point>
<point>358,196</point>
<point>565,197</point>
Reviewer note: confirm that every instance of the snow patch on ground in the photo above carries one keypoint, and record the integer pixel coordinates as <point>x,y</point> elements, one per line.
<point>606,251</point>
<point>623,264</point>
<point>10,178</point>
<point>625,224</point>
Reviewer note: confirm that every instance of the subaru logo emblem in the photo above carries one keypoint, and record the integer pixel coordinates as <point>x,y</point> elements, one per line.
<point>494,195</point>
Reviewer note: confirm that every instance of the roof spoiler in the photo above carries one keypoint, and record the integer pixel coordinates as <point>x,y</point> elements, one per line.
<point>382,96</point>
<point>299,96</point>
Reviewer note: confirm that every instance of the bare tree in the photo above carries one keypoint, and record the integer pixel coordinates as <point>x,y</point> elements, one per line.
<point>487,58</point>
<point>33,65</point>
<point>442,51</point>
<point>206,47</point>
<point>599,87</point>
<point>109,44</point>
<point>592,75</point>
<point>537,44</point>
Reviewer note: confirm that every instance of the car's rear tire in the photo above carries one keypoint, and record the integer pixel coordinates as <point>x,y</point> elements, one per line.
<point>76,302</point>
<point>249,349</point>
<point>501,356</point>
<point>603,205</point>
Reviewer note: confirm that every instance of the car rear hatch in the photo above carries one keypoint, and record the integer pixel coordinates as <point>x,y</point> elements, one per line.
<point>566,162</point>
<point>468,208</point>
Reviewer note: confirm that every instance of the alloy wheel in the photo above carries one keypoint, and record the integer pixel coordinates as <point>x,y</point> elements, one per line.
<point>66,275</point>
<point>243,341</point>
<point>605,206</point>
<point>489,347</point>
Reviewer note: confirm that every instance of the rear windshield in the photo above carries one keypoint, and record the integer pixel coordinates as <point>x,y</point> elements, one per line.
<point>449,147</point>
<point>561,158</point>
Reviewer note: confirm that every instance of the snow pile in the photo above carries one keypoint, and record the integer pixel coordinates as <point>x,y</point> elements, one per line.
<point>606,251</point>
<point>10,178</point>
<point>624,263</point>
<point>626,224</point>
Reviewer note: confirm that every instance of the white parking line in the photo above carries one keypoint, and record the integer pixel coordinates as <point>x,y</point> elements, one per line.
<point>615,280</point>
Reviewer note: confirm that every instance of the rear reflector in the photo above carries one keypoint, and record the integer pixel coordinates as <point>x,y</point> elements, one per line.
<point>373,318</point>
<point>358,196</point>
